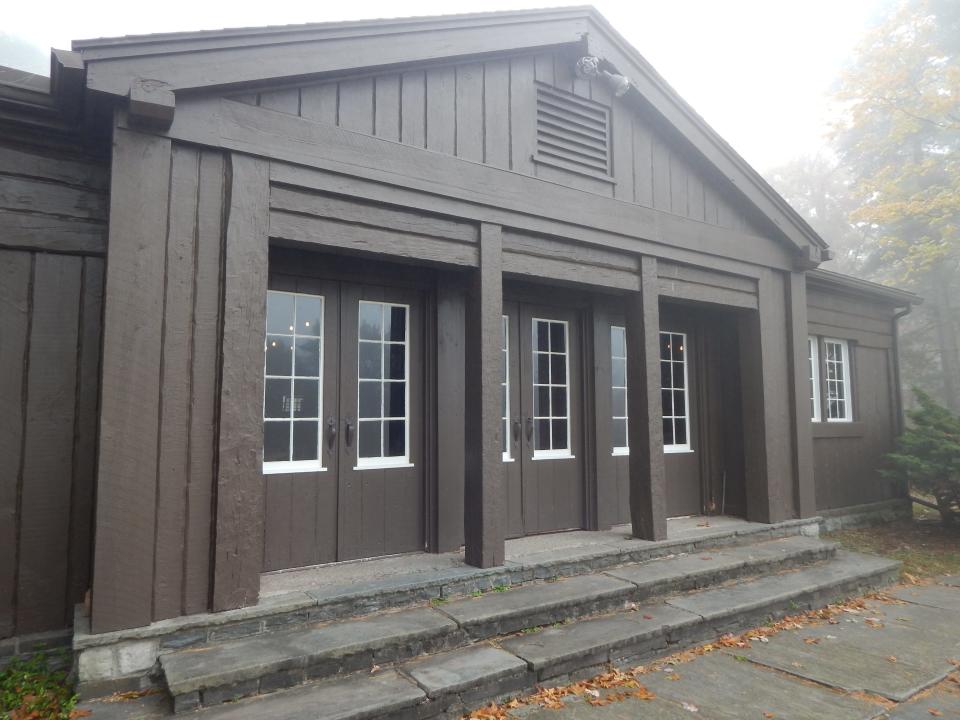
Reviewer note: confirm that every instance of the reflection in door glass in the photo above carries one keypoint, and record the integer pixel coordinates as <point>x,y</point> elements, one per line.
<point>292,390</point>
<point>382,385</point>
<point>551,388</point>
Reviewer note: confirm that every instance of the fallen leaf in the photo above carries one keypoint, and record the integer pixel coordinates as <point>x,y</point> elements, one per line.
<point>648,617</point>
<point>768,715</point>
<point>892,658</point>
<point>934,712</point>
<point>374,669</point>
<point>689,706</point>
<point>673,677</point>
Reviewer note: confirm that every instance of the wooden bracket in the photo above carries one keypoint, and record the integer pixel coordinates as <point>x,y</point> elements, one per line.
<point>66,81</point>
<point>152,103</point>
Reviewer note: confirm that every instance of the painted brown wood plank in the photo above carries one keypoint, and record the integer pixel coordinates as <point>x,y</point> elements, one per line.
<point>543,68</point>
<point>387,107</point>
<point>204,372</point>
<point>567,271</point>
<point>696,208</point>
<point>484,490</point>
<point>37,196</point>
<point>52,233</point>
<point>679,197</point>
<point>276,520</point>
<point>805,494</point>
<point>867,339</point>
<point>85,439</point>
<point>285,100</point>
<point>126,480</point>
<point>840,319</point>
<point>549,248</point>
<point>846,303</point>
<point>642,149</point>
<point>451,356</point>
<point>496,113</point>
<point>48,444</point>
<point>16,270</point>
<point>320,231</point>
<point>413,108</point>
<point>621,135</point>
<point>703,276</point>
<point>648,496</point>
<point>694,292</point>
<point>523,114</point>
<point>85,174</point>
<point>175,389</point>
<point>356,105</point>
<point>470,111</point>
<point>239,516</point>
<point>319,103</point>
<point>441,110</point>
<point>660,155</point>
<point>335,208</point>
<point>710,205</point>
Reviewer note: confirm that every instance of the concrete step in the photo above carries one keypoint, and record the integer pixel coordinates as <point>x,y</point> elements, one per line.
<point>261,664</point>
<point>455,681</point>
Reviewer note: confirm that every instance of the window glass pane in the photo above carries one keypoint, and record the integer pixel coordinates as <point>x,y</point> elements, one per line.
<point>371,321</point>
<point>306,397</point>
<point>305,440</point>
<point>678,375</point>
<point>677,348</point>
<point>395,323</point>
<point>541,335</point>
<point>558,369</point>
<point>370,363</point>
<point>369,405</point>
<point>395,400</point>
<point>666,400</point>
<point>679,403</point>
<point>276,441</point>
<point>618,345</point>
<point>279,312</point>
<point>558,402</point>
<point>541,401</point>
<point>666,379</point>
<point>505,436</point>
<point>395,439</point>
<point>620,433</point>
<point>368,439</point>
<point>618,371</point>
<point>275,398</point>
<point>307,357</point>
<point>395,362</point>
<point>558,337</point>
<point>541,368</point>
<point>680,432</point>
<point>664,346</point>
<point>309,310</point>
<point>559,434</point>
<point>279,353</point>
<point>667,431</point>
<point>619,402</point>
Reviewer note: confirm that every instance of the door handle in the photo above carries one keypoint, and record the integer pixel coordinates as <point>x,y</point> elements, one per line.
<point>529,429</point>
<point>516,431</point>
<point>349,432</point>
<point>331,432</point>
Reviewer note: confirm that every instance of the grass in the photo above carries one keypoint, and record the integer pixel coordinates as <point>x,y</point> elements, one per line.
<point>33,689</point>
<point>923,545</point>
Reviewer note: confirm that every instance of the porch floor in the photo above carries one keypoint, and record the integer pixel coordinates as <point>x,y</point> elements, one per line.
<point>532,550</point>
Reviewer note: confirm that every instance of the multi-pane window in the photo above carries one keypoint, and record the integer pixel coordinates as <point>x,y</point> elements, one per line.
<point>292,389</point>
<point>813,372</point>
<point>673,391</point>
<point>837,365</point>
<point>383,387</point>
<point>551,389</point>
<point>618,388</point>
<point>505,383</point>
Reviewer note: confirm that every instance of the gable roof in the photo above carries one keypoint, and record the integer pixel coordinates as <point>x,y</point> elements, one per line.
<point>251,57</point>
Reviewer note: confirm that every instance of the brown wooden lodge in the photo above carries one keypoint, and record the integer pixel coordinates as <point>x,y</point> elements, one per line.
<point>281,297</point>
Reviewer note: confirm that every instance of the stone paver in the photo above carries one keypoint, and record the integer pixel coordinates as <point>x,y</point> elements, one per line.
<point>943,702</point>
<point>938,596</point>
<point>459,670</point>
<point>951,580</point>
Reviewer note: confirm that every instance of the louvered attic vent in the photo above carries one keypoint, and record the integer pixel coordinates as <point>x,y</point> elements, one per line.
<point>572,133</point>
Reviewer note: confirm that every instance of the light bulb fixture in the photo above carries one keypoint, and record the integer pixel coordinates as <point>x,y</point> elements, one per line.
<point>588,68</point>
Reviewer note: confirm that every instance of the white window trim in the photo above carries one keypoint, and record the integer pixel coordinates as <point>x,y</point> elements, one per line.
<point>685,447</point>
<point>274,467</point>
<point>847,395</point>
<point>392,461</point>
<point>505,421</point>
<point>619,450</point>
<point>813,358</point>
<point>567,452</point>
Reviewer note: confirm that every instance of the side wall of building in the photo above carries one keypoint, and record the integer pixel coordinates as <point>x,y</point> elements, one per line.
<point>847,455</point>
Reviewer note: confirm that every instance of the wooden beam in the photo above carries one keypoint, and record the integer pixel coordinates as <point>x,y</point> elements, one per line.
<point>648,496</point>
<point>238,553</point>
<point>805,494</point>
<point>485,496</point>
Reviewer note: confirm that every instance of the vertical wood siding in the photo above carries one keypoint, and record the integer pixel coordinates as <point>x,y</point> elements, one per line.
<point>486,112</point>
<point>52,230</point>
<point>160,351</point>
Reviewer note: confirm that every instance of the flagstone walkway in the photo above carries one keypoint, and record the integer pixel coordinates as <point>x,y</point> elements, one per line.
<point>898,660</point>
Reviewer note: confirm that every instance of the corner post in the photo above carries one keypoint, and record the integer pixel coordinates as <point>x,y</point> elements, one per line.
<point>648,500</point>
<point>484,496</point>
<point>805,499</point>
<point>238,551</point>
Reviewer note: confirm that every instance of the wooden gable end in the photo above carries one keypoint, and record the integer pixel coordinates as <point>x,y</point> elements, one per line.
<point>486,112</point>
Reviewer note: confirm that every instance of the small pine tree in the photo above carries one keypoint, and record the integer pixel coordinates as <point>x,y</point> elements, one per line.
<point>928,455</point>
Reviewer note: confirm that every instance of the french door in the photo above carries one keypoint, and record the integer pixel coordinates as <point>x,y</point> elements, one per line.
<point>542,416</point>
<point>343,418</point>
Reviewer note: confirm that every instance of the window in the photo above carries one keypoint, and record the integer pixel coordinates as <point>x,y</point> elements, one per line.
<point>382,387</point>
<point>618,388</point>
<point>551,389</point>
<point>573,133</point>
<point>837,364</point>
<point>673,392</point>
<point>292,387</point>
<point>813,371</point>
<point>505,384</point>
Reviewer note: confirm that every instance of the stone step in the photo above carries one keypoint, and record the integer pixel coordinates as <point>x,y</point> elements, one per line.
<point>455,681</point>
<point>264,663</point>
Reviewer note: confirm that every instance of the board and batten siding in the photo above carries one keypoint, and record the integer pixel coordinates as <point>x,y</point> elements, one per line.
<point>161,357</point>
<point>486,112</point>
<point>847,455</point>
<point>52,235</point>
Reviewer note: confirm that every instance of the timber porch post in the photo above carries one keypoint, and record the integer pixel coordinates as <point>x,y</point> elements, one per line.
<point>648,500</point>
<point>484,495</point>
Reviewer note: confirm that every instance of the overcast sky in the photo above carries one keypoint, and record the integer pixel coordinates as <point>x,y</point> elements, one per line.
<point>759,71</point>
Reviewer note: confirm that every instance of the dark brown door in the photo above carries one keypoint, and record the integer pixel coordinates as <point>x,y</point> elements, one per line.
<point>681,412</point>
<point>548,445</point>
<point>510,379</point>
